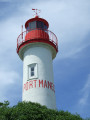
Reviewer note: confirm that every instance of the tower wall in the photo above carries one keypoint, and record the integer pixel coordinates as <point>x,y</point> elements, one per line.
<point>40,88</point>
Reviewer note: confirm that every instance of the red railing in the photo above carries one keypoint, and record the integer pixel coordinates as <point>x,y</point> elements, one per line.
<point>40,32</point>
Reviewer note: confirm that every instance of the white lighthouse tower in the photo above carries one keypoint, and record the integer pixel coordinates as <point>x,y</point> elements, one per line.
<point>37,47</point>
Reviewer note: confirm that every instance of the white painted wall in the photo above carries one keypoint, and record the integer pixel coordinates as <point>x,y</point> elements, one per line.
<point>43,57</point>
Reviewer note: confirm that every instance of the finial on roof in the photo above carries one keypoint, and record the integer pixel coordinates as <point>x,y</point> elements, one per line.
<point>36,12</point>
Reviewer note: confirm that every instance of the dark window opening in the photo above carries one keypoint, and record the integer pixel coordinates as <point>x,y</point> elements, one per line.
<point>45,27</point>
<point>36,24</point>
<point>32,71</point>
<point>41,25</point>
<point>32,68</point>
<point>31,25</point>
<point>27,28</point>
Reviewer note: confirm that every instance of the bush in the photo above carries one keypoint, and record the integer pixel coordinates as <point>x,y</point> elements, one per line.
<point>33,111</point>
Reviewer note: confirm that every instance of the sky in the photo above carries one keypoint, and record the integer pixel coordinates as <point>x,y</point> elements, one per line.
<point>70,21</point>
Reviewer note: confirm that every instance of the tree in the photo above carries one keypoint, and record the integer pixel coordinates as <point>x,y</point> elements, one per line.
<point>33,111</point>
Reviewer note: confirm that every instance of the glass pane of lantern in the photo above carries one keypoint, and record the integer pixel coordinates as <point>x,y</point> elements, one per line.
<point>32,25</point>
<point>40,24</point>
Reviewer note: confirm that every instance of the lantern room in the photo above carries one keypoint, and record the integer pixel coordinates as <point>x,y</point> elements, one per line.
<point>37,29</point>
<point>36,23</point>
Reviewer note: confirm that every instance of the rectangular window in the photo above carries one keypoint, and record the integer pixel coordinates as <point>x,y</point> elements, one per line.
<point>40,24</point>
<point>45,27</point>
<point>32,71</point>
<point>32,25</point>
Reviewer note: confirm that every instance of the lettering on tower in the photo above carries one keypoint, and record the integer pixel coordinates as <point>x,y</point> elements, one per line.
<point>38,83</point>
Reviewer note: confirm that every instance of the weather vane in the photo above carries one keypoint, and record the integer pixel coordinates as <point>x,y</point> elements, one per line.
<point>36,11</point>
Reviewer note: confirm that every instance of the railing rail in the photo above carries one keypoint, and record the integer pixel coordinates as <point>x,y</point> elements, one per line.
<point>52,36</point>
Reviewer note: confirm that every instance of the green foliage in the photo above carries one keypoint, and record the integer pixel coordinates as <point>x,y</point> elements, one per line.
<point>33,111</point>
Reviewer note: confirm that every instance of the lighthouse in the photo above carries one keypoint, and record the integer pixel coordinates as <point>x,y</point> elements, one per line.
<point>37,47</point>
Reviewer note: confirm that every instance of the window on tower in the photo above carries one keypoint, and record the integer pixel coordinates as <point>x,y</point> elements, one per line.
<point>31,25</point>
<point>36,25</point>
<point>32,71</point>
<point>41,25</point>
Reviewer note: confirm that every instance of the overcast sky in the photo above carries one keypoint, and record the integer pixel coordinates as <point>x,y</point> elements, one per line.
<point>70,21</point>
